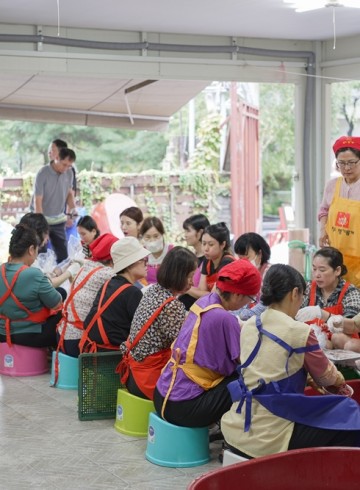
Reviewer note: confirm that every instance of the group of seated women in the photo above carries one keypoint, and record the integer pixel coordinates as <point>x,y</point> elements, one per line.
<point>200,366</point>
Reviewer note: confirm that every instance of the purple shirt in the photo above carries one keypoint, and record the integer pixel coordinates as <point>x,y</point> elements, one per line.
<point>218,348</point>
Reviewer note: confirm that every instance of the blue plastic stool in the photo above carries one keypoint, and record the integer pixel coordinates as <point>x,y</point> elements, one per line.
<point>68,372</point>
<point>176,447</point>
<point>132,414</point>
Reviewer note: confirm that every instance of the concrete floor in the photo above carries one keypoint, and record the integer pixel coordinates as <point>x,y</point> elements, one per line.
<point>44,445</point>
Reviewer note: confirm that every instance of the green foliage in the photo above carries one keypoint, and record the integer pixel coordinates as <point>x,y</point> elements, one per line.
<point>345,98</point>
<point>24,146</point>
<point>206,154</point>
<point>277,149</point>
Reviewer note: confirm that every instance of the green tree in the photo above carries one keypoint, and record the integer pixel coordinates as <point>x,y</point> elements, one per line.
<point>345,97</point>
<point>277,135</point>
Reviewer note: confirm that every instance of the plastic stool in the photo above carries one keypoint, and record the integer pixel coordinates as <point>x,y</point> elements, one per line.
<point>174,446</point>
<point>68,372</point>
<point>132,414</point>
<point>20,360</point>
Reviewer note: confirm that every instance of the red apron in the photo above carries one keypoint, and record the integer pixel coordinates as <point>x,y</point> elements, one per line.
<point>146,373</point>
<point>36,317</point>
<point>212,278</point>
<point>91,345</point>
<point>334,310</point>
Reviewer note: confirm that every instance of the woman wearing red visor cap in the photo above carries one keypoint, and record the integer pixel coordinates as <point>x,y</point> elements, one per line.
<point>339,213</point>
<point>192,389</point>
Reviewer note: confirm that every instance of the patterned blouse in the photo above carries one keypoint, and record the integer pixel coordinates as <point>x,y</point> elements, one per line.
<point>350,302</point>
<point>165,328</point>
<point>84,298</point>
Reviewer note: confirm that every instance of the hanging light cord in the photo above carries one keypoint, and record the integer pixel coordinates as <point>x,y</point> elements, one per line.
<point>334,27</point>
<point>58,17</point>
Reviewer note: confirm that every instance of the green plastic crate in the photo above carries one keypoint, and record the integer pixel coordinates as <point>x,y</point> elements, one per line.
<point>98,385</point>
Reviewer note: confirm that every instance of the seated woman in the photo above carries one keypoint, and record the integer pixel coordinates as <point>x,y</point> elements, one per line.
<point>217,251</point>
<point>88,231</point>
<point>107,325</point>
<point>255,248</point>
<point>192,389</point>
<point>84,289</point>
<point>130,221</point>
<point>194,227</point>
<point>37,222</point>
<point>156,324</point>
<point>26,295</point>
<point>152,233</point>
<point>271,413</point>
<point>328,294</point>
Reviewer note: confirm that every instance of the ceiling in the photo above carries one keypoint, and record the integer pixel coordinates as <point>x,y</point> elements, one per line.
<point>244,18</point>
<point>99,101</point>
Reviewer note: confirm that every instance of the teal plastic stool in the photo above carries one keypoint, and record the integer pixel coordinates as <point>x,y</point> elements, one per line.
<point>132,414</point>
<point>176,447</point>
<point>68,372</point>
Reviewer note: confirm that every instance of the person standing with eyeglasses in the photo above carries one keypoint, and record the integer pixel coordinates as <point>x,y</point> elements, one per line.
<point>339,213</point>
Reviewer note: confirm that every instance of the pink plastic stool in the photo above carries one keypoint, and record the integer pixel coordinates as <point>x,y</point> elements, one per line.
<point>19,360</point>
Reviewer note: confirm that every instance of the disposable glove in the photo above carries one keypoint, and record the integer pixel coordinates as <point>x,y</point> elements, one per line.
<point>73,269</point>
<point>308,313</point>
<point>335,323</point>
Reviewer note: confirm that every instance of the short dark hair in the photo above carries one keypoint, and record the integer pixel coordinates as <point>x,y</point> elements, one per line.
<point>59,143</point>
<point>256,242</point>
<point>220,232</point>
<point>280,280</point>
<point>334,258</point>
<point>149,223</point>
<point>178,263</point>
<point>22,237</point>
<point>134,213</point>
<point>89,224</point>
<point>67,153</point>
<point>196,221</point>
<point>37,222</point>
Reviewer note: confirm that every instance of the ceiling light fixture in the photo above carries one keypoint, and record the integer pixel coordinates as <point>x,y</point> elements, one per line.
<point>308,5</point>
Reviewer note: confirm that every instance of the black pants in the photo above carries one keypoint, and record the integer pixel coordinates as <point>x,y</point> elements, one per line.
<point>304,436</point>
<point>133,388</point>
<point>202,411</point>
<point>45,338</point>
<point>57,235</point>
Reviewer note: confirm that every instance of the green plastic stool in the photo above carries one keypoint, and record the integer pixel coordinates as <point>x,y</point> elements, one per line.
<point>132,414</point>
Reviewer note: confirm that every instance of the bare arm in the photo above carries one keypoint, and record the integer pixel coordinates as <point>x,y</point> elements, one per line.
<point>323,239</point>
<point>70,200</point>
<point>38,200</point>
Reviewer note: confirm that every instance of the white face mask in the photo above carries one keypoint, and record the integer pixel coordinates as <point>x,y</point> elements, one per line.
<point>154,246</point>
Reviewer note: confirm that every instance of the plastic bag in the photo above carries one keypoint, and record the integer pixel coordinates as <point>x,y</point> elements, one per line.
<point>46,261</point>
<point>320,335</point>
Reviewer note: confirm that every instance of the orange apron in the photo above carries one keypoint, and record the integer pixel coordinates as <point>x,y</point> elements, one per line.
<point>91,345</point>
<point>65,320</point>
<point>343,229</point>
<point>36,317</point>
<point>146,372</point>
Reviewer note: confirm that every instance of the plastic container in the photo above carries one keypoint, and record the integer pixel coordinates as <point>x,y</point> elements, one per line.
<point>19,360</point>
<point>176,447</point>
<point>68,376</point>
<point>98,385</point>
<point>332,468</point>
<point>132,414</point>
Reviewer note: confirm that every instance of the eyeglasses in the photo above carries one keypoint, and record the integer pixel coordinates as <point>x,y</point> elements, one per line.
<point>350,163</point>
<point>252,299</point>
